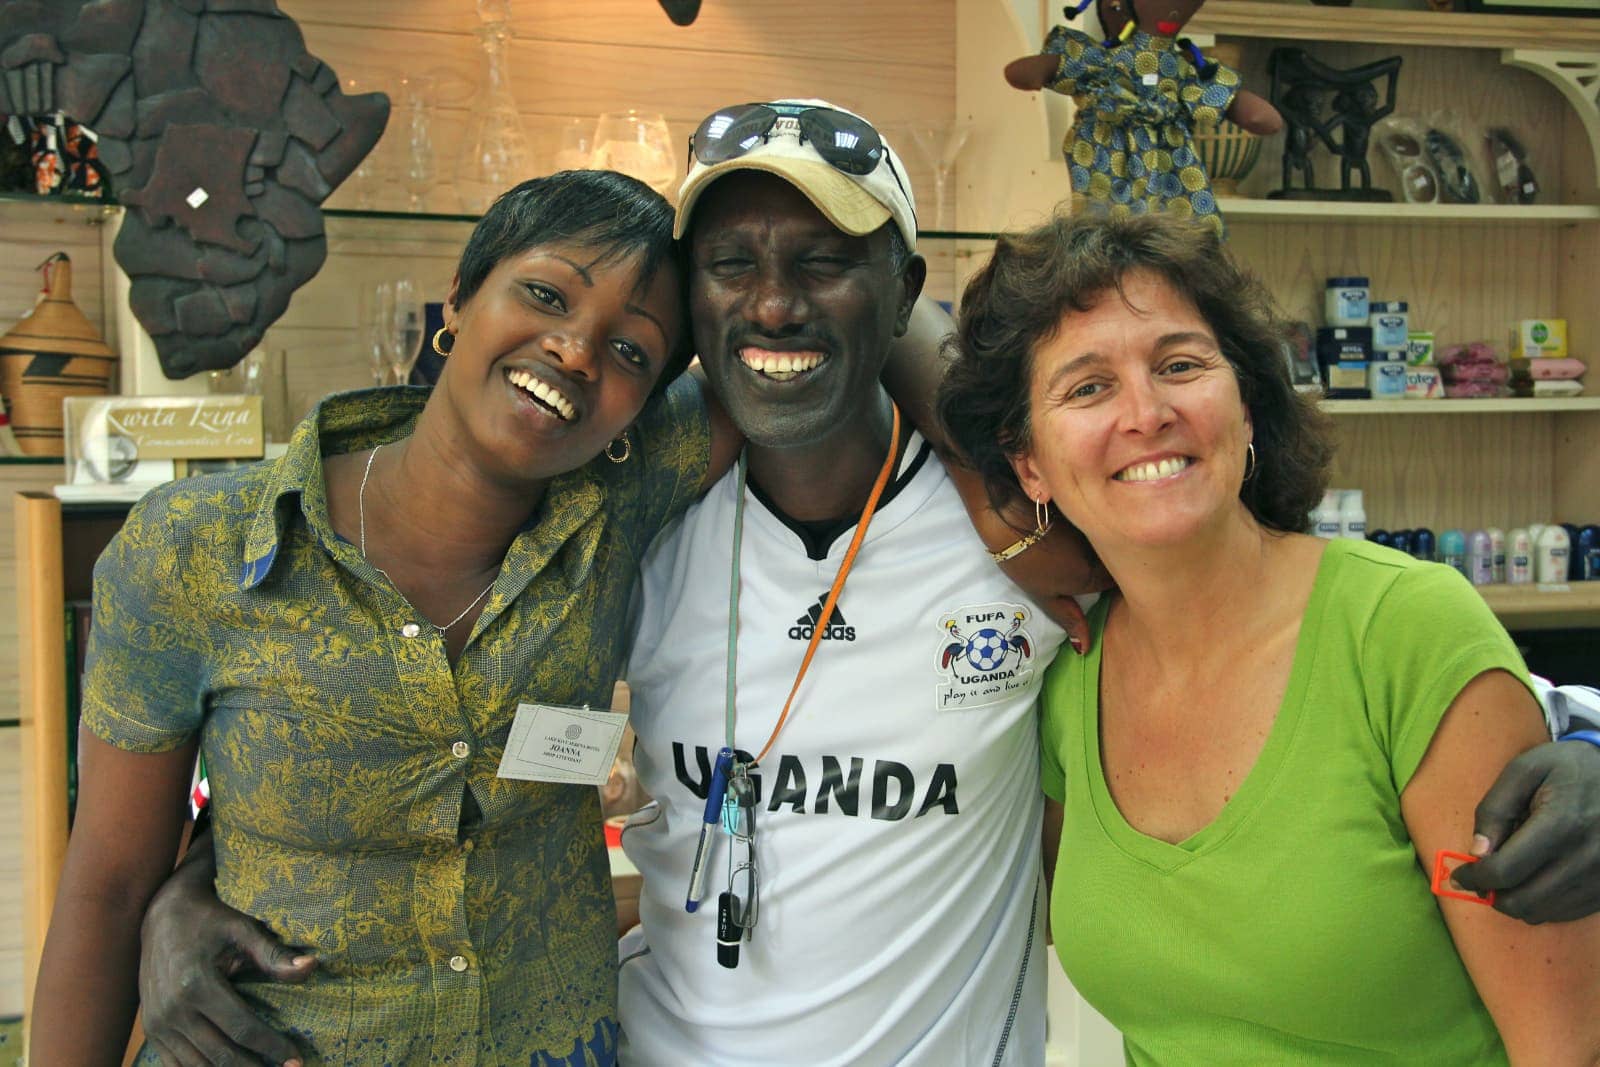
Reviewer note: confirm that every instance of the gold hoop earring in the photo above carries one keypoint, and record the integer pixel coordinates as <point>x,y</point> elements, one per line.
<point>1250,457</point>
<point>1041,518</point>
<point>444,331</point>
<point>627,449</point>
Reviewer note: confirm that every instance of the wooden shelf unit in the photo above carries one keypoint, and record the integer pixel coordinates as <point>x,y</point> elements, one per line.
<point>1508,406</point>
<point>1236,208</point>
<point>1541,607</point>
<point>1383,26</point>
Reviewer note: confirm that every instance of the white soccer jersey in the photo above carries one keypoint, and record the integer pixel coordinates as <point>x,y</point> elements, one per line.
<point>897,847</point>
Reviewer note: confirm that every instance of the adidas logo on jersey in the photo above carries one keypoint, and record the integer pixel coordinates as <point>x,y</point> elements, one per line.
<point>806,625</point>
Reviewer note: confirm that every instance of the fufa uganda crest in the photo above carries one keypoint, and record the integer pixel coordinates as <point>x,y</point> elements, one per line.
<point>985,655</point>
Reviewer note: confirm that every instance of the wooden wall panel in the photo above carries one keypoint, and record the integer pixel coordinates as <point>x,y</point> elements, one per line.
<point>1448,470</point>
<point>583,59</point>
<point>580,78</point>
<point>921,33</point>
<point>579,59</point>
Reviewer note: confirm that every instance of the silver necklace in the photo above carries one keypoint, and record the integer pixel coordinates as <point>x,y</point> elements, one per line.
<point>361,510</point>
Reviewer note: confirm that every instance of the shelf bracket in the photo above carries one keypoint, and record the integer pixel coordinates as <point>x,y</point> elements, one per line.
<point>1576,74</point>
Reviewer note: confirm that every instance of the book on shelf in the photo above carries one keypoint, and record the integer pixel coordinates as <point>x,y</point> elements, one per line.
<point>78,618</point>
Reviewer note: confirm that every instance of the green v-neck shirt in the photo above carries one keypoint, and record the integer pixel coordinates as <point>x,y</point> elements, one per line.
<point>1298,926</point>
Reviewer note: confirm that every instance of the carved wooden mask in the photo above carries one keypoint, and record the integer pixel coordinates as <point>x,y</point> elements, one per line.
<point>221,133</point>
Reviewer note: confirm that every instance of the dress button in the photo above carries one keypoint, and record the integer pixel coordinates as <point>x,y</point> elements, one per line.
<point>458,963</point>
<point>461,749</point>
<point>410,629</point>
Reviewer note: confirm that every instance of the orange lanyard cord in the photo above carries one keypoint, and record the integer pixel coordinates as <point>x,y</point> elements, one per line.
<point>838,582</point>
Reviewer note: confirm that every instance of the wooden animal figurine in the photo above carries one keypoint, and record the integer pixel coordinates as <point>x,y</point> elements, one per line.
<point>1141,92</point>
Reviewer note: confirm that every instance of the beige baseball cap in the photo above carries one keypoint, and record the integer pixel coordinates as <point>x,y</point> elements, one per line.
<point>856,203</point>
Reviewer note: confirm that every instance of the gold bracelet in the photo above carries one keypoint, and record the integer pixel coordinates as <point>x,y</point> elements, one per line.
<point>1017,548</point>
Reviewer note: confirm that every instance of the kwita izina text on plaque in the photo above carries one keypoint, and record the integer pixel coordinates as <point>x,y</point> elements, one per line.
<point>167,427</point>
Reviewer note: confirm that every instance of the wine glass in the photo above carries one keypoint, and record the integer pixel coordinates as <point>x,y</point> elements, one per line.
<point>404,320</point>
<point>365,180</point>
<point>638,144</point>
<point>940,143</point>
<point>416,126</point>
<point>375,307</point>
<point>574,143</point>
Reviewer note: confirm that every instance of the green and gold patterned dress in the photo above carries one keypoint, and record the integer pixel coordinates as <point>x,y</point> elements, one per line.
<point>342,745</point>
<point>1138,105</point>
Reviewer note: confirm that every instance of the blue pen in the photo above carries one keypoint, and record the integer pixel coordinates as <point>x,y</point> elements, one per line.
<point>714,795</point>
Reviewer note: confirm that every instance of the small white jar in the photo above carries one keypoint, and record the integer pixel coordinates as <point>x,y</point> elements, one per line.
<point>1345,301</point>
<point>1391,326</point>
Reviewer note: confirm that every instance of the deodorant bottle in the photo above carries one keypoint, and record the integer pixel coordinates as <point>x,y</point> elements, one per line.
<point>1588,551</point>
<point>1423,545</point>
<point>1480,558</point>
<point>1352,515</point>
<point>1453,550</point>
<point>1550,555</point>
<point>1325,516</point>
<point>1519,557</point>
<point>1497,550</point>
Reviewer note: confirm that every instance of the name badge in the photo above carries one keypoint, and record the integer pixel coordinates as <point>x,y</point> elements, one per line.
<point>573,746</point>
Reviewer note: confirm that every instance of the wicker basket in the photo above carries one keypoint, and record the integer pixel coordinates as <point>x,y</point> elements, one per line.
<point>1229,153</point>
<point>53,353</point>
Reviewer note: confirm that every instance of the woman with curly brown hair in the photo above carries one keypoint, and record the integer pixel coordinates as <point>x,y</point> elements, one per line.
<point>1274,734</point>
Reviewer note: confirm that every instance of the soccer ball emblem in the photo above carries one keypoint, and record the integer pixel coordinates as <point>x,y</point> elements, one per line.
<point>986,649</point>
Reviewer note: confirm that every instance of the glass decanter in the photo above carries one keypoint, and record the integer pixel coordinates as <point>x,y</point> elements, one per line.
<point>499,156</point>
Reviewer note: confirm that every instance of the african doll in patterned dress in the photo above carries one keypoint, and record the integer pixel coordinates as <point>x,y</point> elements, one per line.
<point>1141,93</point>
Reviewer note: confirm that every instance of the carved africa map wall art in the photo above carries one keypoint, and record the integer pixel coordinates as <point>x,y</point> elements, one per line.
<point>221,134</point>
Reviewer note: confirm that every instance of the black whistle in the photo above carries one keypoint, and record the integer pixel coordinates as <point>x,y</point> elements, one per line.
<point>729,933</point>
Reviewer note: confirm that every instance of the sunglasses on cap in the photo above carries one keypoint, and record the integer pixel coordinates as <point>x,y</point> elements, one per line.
<point>844,141</point>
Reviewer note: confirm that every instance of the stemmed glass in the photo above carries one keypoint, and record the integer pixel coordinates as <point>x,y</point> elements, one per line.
<point>638,144</point>
<point>940,143</point>
<point>403,324</point>
<point>392,323</point>
<point>574,143</point>
<point>416,125</point>
<point>375,307</point>
<point>367,178</point>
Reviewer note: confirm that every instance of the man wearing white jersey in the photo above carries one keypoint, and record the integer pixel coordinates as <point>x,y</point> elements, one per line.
<point>895,858</point>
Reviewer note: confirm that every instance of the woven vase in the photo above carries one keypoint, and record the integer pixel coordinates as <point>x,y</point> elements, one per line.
<point>53,353</point>
<point>1229,152</point>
